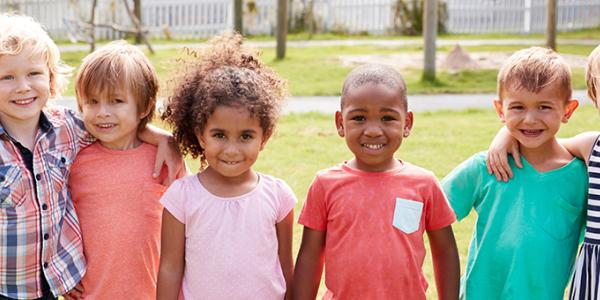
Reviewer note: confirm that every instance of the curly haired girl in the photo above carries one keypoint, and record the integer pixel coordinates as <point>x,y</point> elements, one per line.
<point>227,230</point>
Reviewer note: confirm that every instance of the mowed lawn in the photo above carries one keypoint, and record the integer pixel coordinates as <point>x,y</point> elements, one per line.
<point>306,143</point>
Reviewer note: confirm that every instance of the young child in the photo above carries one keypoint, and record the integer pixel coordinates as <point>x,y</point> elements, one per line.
<point>527,229</point>
<point>586,280</point>
<point>228,229</point>
<point>40,240</point>
<point>115,196</point>
<point>365,218</point>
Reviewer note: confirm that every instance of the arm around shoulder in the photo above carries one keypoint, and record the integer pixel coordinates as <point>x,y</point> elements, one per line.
<point>581,145</point>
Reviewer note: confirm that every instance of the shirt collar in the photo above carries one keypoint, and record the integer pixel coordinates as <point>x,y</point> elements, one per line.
<point>45,125</point>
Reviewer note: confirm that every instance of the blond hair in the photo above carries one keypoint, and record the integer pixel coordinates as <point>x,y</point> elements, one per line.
<point>22,32</point>
<point>533,69</point>
<point>119,65</point>
<point>592,74</point>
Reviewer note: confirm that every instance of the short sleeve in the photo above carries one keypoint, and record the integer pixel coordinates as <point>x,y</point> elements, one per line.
<point>287,201</point>
<point>82,137</point>
<point>462,185</point>
<point>314,211</point>
<point>438,212</point>
<point>173,201</point>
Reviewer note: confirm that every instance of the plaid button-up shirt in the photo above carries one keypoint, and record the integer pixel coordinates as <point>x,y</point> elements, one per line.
<point>39,231</point>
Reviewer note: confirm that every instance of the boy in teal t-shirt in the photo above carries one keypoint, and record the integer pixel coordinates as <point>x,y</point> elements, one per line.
<point>527,231</point>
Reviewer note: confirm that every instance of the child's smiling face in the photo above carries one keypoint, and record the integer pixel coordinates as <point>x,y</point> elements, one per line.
<point>113,119</point>
<point>24,87</point>
<point>374,122</point>
<point>534,118</point>
<point>231,139</point>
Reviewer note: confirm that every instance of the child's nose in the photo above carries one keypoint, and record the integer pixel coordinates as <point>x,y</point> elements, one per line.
<point>372,130</point>
<point>23,86</point>
<point>530,117</point>
<point>103,110</point>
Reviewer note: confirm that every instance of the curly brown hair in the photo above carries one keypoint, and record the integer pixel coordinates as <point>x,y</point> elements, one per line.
<point>225,73</point>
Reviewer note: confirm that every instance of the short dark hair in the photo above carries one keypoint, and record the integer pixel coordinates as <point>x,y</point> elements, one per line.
<point>376,74</point>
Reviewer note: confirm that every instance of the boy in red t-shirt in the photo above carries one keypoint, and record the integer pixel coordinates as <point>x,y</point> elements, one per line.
<point>365,218</point>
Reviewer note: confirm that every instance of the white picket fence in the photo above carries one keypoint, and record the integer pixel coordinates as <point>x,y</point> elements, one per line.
<point>204,18</point>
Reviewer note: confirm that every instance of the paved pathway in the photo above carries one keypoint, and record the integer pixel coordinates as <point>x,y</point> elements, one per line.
<point>417,103</point>
<point>385,43</point>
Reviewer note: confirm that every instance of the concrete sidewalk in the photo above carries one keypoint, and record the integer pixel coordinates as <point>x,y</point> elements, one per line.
<point>416,103</point>
<point>382,42</point>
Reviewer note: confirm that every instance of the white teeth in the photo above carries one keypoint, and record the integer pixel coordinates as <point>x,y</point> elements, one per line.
<point>24,101</point>
<point>105,125</point>
<point>373,146</point>
<point>230,162</point>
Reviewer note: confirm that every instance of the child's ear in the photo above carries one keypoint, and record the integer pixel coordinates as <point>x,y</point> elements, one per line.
<point>265,139</point>
<point>148,109</point>
<point>408,123</point>
<point>499,110</point>
<point>339,123</point>
<point>200,137</point>
<point>570,108</point>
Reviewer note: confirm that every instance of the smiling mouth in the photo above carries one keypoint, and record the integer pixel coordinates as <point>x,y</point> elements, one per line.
<point>24,101</point>
<point>106,125</point>
<point>531,132</point>
<point>373,146</point>
<point>230,162</point>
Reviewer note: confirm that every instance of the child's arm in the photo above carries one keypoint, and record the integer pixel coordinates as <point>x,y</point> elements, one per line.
<point>167,152</point>
<point>445,262</point>
<point>581,145</point>
<point>309,265</point>
<point>284,239</point>
<point>497,159</point>
<point>172,258</point>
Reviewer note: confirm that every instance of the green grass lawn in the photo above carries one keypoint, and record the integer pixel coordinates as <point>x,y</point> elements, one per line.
<point>306,143</point>
<point>318,71</point>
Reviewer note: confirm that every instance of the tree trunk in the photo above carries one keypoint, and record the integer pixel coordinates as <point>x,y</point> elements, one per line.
<point>429,36</point>
<point>92,35</point>
<point>281,28</point>
<point>238,16</point>
<point>137,11</point>
<point>551,25</point>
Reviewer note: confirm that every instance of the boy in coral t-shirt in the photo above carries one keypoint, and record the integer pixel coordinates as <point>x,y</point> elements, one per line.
<point>365,218</point>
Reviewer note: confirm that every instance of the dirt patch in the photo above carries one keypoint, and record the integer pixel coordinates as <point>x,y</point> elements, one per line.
<point>457,60</point>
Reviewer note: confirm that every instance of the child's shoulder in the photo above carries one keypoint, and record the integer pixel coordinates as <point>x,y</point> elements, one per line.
<point>59,115</point>
<point>273,182</point>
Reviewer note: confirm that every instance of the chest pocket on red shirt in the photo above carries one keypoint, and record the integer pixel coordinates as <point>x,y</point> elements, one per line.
<point>407,215</point>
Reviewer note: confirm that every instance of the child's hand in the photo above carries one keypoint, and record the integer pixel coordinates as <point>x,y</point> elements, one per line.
<point>168,153</point>
<point>497,158</point>
<point>75,293</point>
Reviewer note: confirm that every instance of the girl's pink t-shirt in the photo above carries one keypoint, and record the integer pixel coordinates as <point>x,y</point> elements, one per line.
<point>117,202</point>
<point>231,248</point>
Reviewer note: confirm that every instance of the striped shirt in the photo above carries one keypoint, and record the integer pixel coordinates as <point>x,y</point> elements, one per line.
<point>592,230</point>
<point>39,231</point>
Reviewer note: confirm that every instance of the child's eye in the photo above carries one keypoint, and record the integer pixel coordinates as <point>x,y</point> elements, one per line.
<point>388,118</point>
<point>358,118</point>
<point>7,77</point>
<point>35,73</point>
<point>218,135</point>
<point>516,107</point>
<point>545,107</point>
<point>90,101</point>
<point>246,137</point>
<point>117,100</point>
